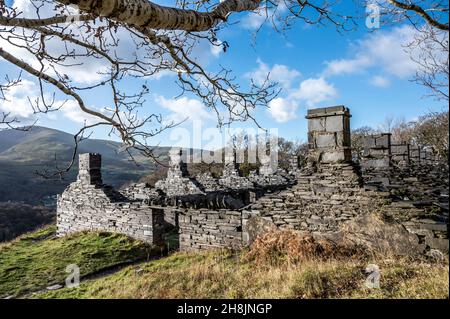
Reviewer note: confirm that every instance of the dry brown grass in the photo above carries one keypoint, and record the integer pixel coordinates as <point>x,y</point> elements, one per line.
<point>279,265</point>
<point>290,247</point>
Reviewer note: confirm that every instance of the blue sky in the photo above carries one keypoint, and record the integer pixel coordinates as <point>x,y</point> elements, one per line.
<point>365,70</point>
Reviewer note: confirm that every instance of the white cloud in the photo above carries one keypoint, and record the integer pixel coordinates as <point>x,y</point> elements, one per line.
<point>309,92</point>
<point>278,73</point>
<point>17,105</point>
<point>16,102</point>
<point>380,81</point>
<point>347,66</point>
<point>183,109</point>
<point>254,20</point>
<point>314,91</point>
<point>382,50</point>
<point>81,69</point>
<point>72,112</point>
<point>216,50</point>
<point>283,110</point>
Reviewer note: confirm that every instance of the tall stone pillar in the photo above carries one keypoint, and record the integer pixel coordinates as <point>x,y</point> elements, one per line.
<point>89,170</point>
<point>414,153</point>
<point>329,134</point>
<point>177,168</point>
<point>377,150</point>
<point>268,167</point>
<point>400,154</point>
<point>231,167</point>
<point>376,160</point>
<point>294,163</point>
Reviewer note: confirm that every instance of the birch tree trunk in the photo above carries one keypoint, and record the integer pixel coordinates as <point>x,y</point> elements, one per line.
<point>145,14</point>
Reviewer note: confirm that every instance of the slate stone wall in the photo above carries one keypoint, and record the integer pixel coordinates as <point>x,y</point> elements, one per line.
<point>86,207</point>
<point>400,154</point>
<point>321,201</point>
<point>329,134</point>
<point>206,229</point>
<point>231,211</point>
<point>87,204</point>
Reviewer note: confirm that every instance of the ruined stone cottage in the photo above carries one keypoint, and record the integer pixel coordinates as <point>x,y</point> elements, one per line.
<point>402,180</point>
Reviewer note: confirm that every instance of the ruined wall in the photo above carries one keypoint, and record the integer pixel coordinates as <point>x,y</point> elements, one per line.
<point>414,154</point>
<point>400,154</point>
<point>231,177</point>
<point>89,205</point>
<point>231,211</point>
<point>90,208</point>
<point>329,190</point>
<point>376,159</point>
<point>321,201</point>
<point>178,181</point>
<point>205,229</point>
<point>329,134</point>
<point>418,189</point>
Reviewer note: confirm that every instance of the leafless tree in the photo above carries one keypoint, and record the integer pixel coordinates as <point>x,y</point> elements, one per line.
<point>387,125</point>
<point>417,12</point>
<point>403,132</point>
<point>430,47</point>
<point>287,149</point>
<point>163,40</point>
<point>430,50</point>
<point>430,129</point>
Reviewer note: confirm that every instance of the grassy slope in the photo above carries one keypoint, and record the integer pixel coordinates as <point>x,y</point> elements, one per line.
<point>221,274</point>
<point>38,260</point>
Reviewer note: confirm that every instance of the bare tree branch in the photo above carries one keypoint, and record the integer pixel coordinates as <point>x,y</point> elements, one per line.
<point>422,12</point>
<point>145,14</point>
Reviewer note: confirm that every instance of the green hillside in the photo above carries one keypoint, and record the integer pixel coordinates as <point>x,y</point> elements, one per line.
<point>37,260</point>
<point>22,154</point>
<point>33,262</point>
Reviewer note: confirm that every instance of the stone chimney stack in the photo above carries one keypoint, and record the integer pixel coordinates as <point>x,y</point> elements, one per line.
<point>414,153</point>
<point>400,154</point>
<point>293,162</point>
<point>231,167</point>
<point>377,150</point>
<point>89,171</point>
<point>268,167</point>
<point>329,134</point>
<point>177,168</point>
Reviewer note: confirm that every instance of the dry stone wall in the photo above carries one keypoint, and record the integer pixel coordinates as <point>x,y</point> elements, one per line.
<point>329,134</point>
<point>87,204</point>
<point>418,189</point>
<point>205,229</point>
<point>89,207</point>
<point>320,201</point>
<point>401,154</point>
<point>233,210</point>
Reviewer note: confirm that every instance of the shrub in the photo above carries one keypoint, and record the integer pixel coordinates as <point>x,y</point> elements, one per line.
<point>288,246</point>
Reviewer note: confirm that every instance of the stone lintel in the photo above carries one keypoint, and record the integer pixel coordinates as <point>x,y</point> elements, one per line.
<point>328,111</point>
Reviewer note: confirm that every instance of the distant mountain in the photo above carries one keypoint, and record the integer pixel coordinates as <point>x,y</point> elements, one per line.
<point>22,154</point>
